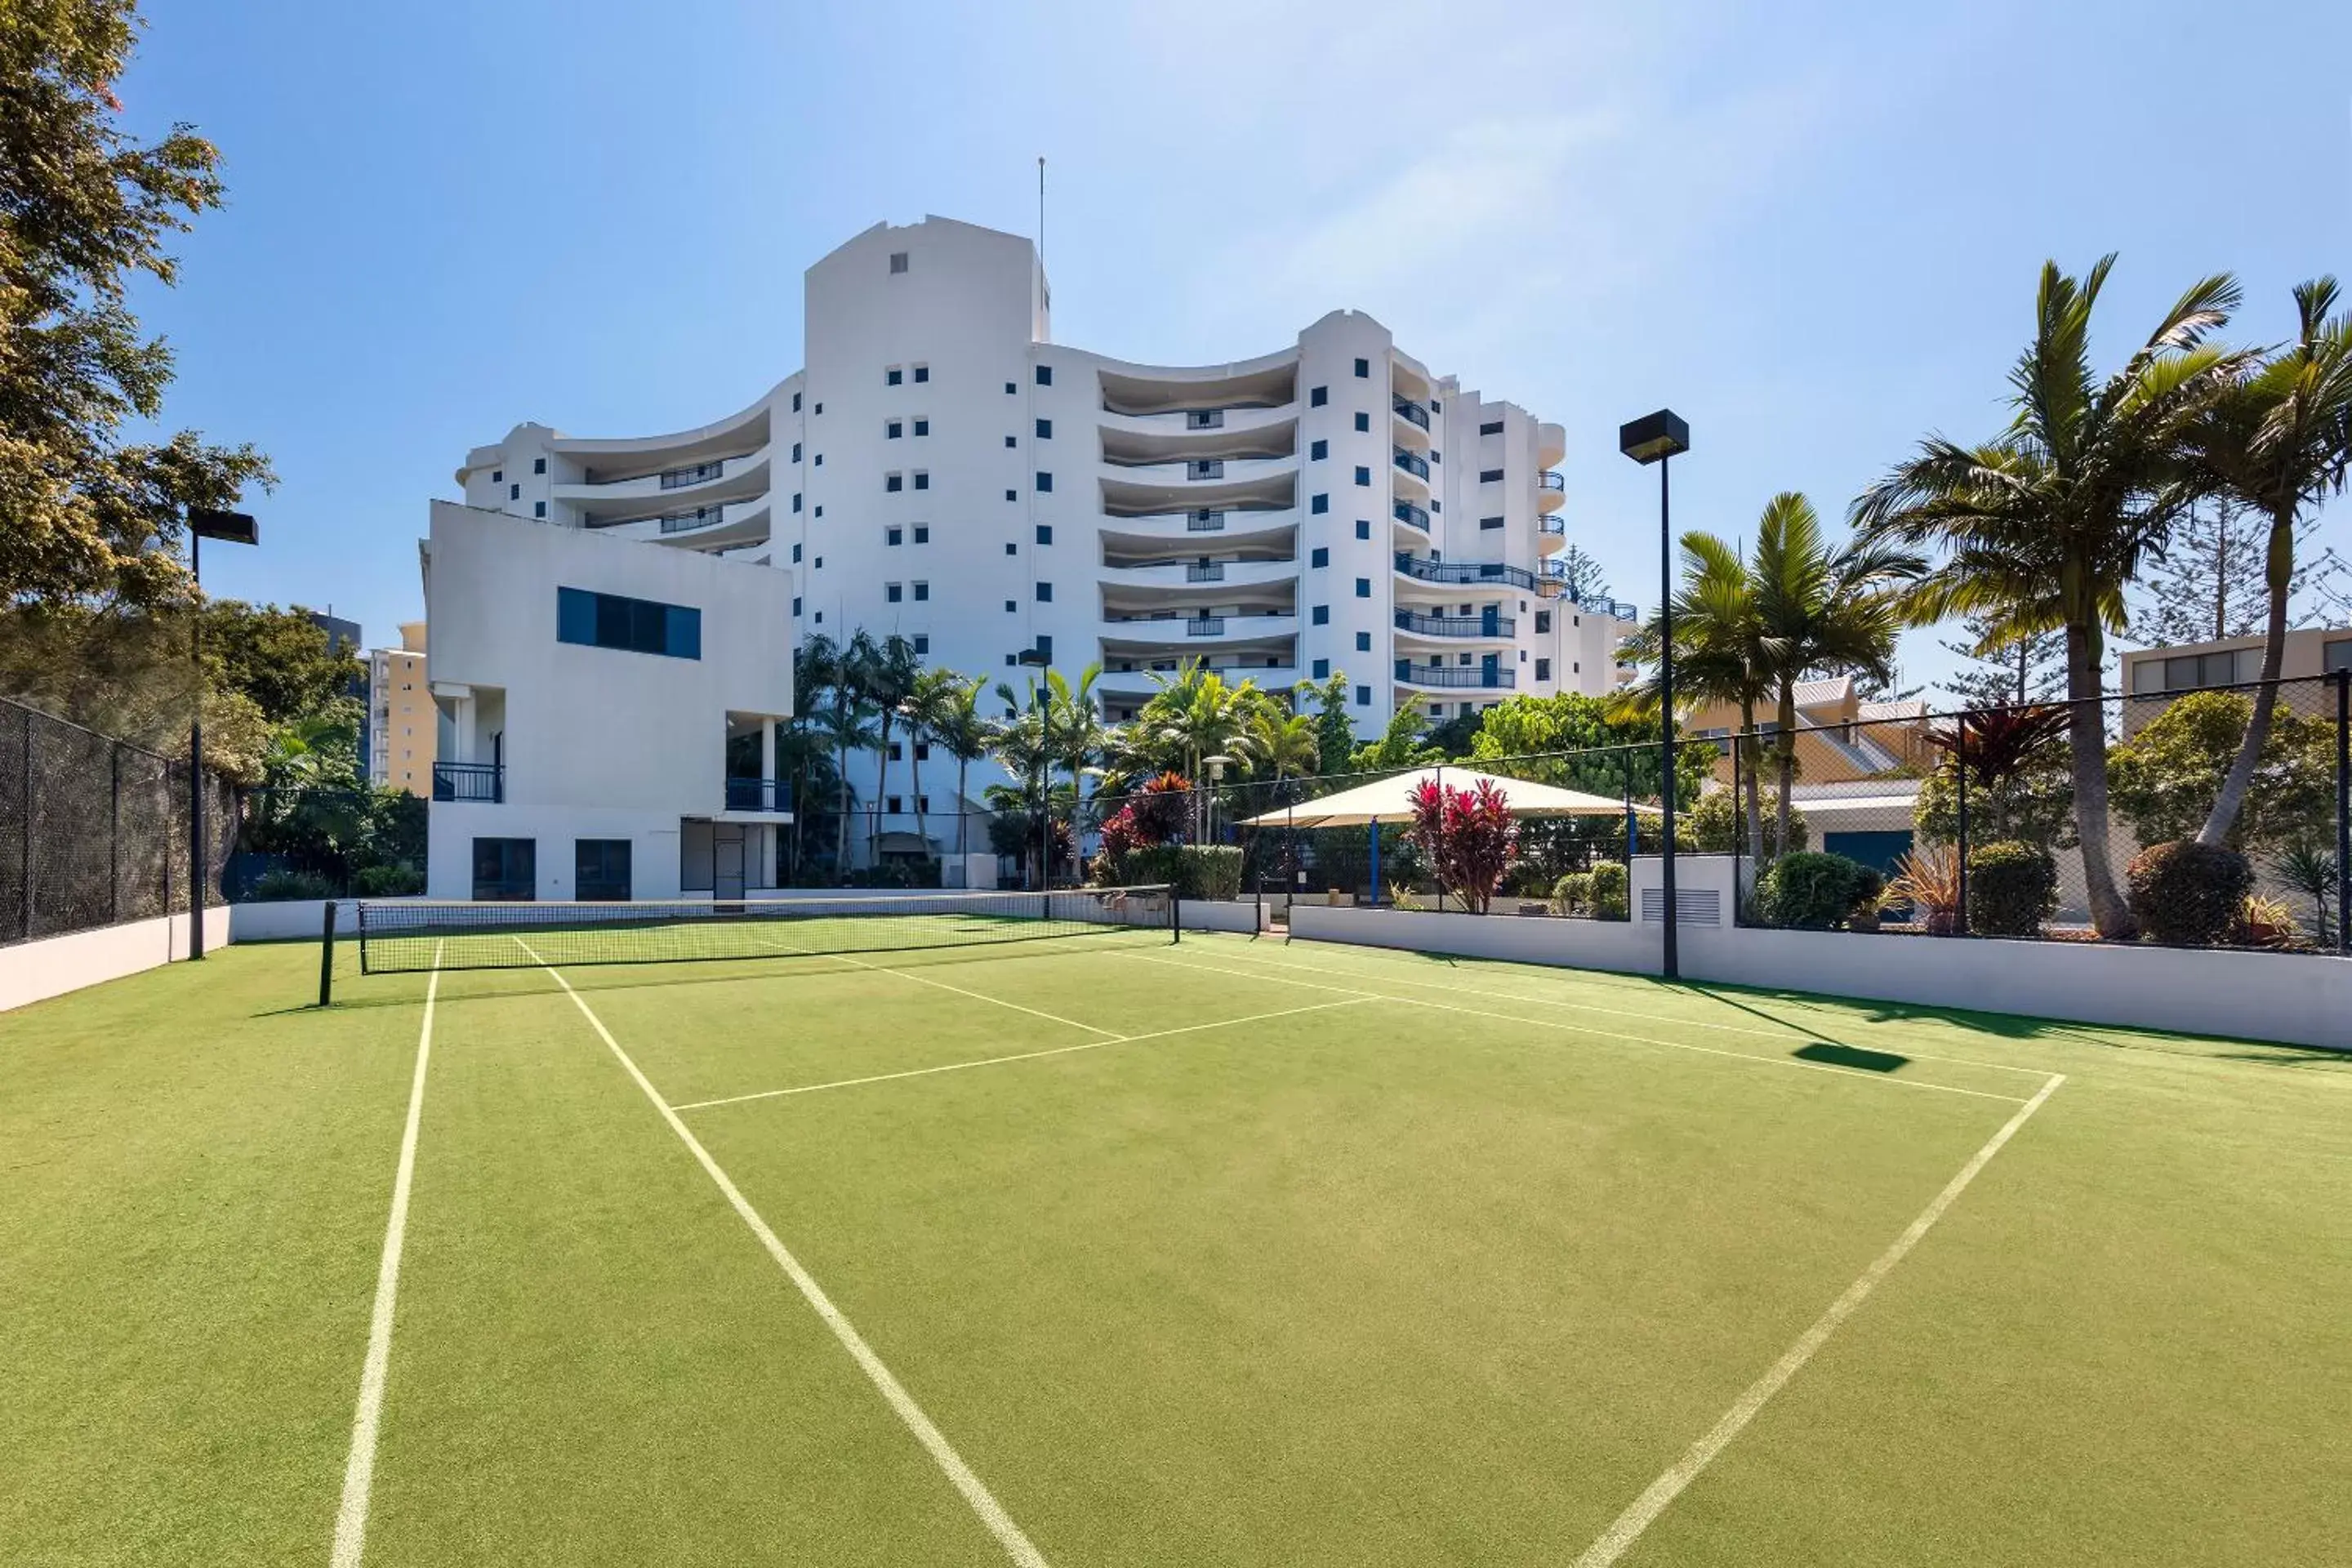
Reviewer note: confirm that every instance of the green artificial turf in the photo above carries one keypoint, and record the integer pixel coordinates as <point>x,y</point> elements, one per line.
<point>1358,1258</point>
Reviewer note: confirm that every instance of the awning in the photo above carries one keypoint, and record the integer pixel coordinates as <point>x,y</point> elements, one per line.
<point>1390,800</point>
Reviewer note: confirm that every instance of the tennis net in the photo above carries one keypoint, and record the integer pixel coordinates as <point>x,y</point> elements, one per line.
<point>411,935</point>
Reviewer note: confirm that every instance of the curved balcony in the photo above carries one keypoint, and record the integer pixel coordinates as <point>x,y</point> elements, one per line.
<point>1551,491</point>
<point>1412,463</point>
<point>1203,527</point>
<point>606,460</point>
<point>709,526</point>
<point>1150,392</point>
<point>1198,574</point>
<point>1494,573</point>
<point>1183,628</point>
<point>1488,627</point>
<point>1551,443</point>
<point>714,480</point>
<point>1410,515</point>
<point>1125,493</point>
<point>1409,411</point>
<point>1136,438</point>
<point>1455,676</point>
<point>1551,534</point>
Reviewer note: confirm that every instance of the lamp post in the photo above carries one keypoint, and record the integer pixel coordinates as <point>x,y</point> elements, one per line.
<point>1656,439</point>
<point>230,528</point>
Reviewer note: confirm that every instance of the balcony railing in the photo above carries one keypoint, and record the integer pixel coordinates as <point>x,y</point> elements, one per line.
<point>759,794</point>
<point>699,473</point>
<point>1555,526</point>
<point>700,517</point>
<point>1205,572</point>
<point>1428,570</point>
<point>1205,627</point>
<point>1204,419</point>
<point>470,781</point>
<point>1418,467</point>
<point>1485,625</point>
<point>1408,512</point>
<point>1205,468</point>
<point>1550,479</point>
<point>1482,678</point>
<point>1411,412</point>
<point>1204,521</point>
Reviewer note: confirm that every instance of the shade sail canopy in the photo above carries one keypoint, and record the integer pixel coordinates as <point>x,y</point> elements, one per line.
<point>1390,800</point>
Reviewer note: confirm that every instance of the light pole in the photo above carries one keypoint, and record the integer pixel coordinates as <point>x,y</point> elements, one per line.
<point>1654,438</point>
<point>230,528</point>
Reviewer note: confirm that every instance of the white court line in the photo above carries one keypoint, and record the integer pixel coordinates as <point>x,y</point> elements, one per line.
<point>1020,1056</point>
<point>359,1469</point>
<point>992,1513</point>
<point>926,980</point>
<point>1260,973</point>
<point>1780,1034</point>
<point>1645,1509</point>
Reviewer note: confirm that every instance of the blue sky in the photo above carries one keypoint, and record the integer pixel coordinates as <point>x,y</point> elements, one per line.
<point>1813,229</point>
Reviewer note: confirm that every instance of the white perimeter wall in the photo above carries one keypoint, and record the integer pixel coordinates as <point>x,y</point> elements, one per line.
<point>54,965</point>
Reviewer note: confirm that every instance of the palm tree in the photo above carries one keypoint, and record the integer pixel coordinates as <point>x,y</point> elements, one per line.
<point>2280,440</point>
<point>1822,611</point>
<point>2061,506</point>
<point>1289,744</point>
<point>1024,747</point>
<point>887,674</point>
<point>1718,655</point>
<point>928,703</point>
<point>846,723</point>
<point>816,667</point>
<point>1196,715</point>
<point>1075,733</point>
<point>967,734</point>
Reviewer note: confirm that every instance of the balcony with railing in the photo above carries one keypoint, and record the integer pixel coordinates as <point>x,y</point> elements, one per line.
<point>763,795</point>
<point>482,781</point>
<point>1490,625</point>
<point>692,474</point>
<point>1424,570</point>
<point>717,480</point>
<point>1480,678</point>
<point>1411,515</point>
<point>1205,572</point>
<point>1553,480</point>
<point>1411,463</point>
<point>1411,412</point>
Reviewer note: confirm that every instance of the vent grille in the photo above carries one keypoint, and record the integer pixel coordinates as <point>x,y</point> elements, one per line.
<point>1693,906</point>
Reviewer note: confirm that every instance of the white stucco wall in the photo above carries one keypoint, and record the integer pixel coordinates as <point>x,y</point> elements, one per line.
<point>32,971</point>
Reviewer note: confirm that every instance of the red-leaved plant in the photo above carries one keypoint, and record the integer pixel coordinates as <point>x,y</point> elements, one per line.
<point>1467,835</point>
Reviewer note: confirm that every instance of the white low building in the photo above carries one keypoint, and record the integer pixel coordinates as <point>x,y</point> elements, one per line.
<point>944,470</point>
<point>591,693</point>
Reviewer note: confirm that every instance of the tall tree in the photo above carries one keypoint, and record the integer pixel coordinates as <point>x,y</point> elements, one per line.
<point>1075,734</point>
<point>887,672</point>
<point>2280,440</point>
<point>930,707</point>
<point>84,209</point>
<point>848,724</point>
<point>2045,526</point>
<point>1334,732</point>
<point>1580,574</point>
<point>2005,669</point>
<point>966,734</point>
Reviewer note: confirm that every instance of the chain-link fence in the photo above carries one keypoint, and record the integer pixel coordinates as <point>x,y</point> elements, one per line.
<point>93,831</point>
<point>1970,823</point>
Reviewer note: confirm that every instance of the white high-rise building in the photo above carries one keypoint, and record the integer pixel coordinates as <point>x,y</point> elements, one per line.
<point>942,469</point>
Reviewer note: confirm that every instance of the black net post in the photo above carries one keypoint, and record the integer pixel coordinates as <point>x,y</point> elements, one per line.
<point>1439,776</point>
<point>1739,834</point>
<point>1289,859</point>
<point>24,800</point>
<point>327,958</point>
<point>2343,811</point>
<point>1960,806</point>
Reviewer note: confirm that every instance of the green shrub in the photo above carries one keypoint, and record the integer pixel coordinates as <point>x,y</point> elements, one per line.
<point>1869,889</point>
<point>1718,823</point>
<point>273,886</point>
<point>1209,871</point>
<point>2189,894</point>
<point>391,881</point>
<point>2013,888</point>
<point>1572,894</point>
<point>1809,890</point>
<point>1608,891</point>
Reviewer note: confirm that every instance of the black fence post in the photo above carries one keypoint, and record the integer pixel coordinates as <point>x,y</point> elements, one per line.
<point>327,958</point>
<point>114,833</point>
<point>1739,839</point>
<point>1960,788</point>
<point>2343,811</point>
<point>25,799</point>
<point>1436,852</point>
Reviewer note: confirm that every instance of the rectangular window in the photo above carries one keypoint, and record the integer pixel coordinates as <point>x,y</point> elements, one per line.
<point>796,500</point>
<point>1012,495</point>
<point>539,508</point>
<point>1317,450</point>
<point>922,751</point>
<point>922,426</point>
<point>893,377</point>
<point>891,592</point>
<point>893,536</point>
<point>538,464</point>
<point>599,870</point>
<point>922,533</point>
<point>1044,481</point>
<point>1363,587</point>
<point>1319,557</point>
<point>1543,669</point>
<point>1045,429</point>
<point>1320,615</point>
<point>796,402</point>
<point>1318,505</point>
<point>892,430</point>
<point>1045,593</point>
<point>1363,529</point>
<point>1322,667</point>
<point>497,475</point>
<point>897,261</point>
<point>796,451</point>
<point>506,870</point>
<point>1045,375</point>
<point>922,373</point>
<point>1490,522</point>
<point>1011,390</point>
<point>922,592</point>
<point>894,482</point>
<point>1543,620</point>
<point>922,479</point>
<point>1046,648</point>
<point>922,648</point>
<point>1011,608</point>
<point>891,807</point>
<point>1490,475</point>
<point>1363,697</point>
<point>1363,642</point>
<point>1011,442</point>
<point>1318,396</point>
<point>1044,533</point>
<point>1491,428</point>
<point>1011,548</point>
<point>1363,370</point>
<point>2336,656</point>
<point>514,492</point>
<point>633,626</point>
<point>796,606</point>
<point>1363,475</point>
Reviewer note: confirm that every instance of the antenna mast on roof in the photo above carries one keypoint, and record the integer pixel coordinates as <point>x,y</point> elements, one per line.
<point>1041,210</point>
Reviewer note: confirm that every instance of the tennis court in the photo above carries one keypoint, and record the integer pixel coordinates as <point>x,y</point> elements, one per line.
<point>1092,1245</point>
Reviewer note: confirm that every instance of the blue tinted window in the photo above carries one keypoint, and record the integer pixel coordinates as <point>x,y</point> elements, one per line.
<point>634,626</point>
<point>1322,670</point>
<point>1320,557</point>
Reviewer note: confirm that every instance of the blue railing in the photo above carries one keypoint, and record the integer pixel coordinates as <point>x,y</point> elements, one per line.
<point>1417,467</point>
<point>470,781</point>
<point>759,794</point>
<point>1555,526</point>
<point>1413,413</point>
<point>1408,512</point>
<point>1456,625</point>
<point>699,473</point>
<point>1428,570</point>
<point>1550,479</point>
<point>1480,678</point>
<point>1205,627</point>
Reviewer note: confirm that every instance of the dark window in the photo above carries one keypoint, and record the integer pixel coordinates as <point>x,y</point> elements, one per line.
<point>796,402</point>
<point>1045,593</point>
<point>817,461</point>
<point>897,261</point>
<point>922,373</point>
<point>1320,615</point>
<point>1011,390</point>
<point>922,748</point>
<point>796,451</point>
<point>893,482</point>
<point>890,591</point>
<point>506,870</point>
<point>1011,548</point>
<point>1363,421</point>
<point>816,410</point>
<point>1543,620</point>
<point>1318,396</point>
<point>1011,608</point>
<point>1044,533</point>
<point>894,375</point>
<point>922,533</point>
<point>1363,697</point>
<point>1045,375</point>
<point>1363,587</point>
<point>1317,450</point>
<point>599,870</point>
<point>796,554</point>
<point>1011,441</point>
<point>922,426</point>
<point>1363,475</point>
<point>497,475</point>
<point>922,479</point>
<point>1046,648</point>
<point>539,508</point>
<point>1490,522</point>
<point>1319,557</point>
<point>538,464</point>
<point>1363,642</point>
<point>1045,429</point>
<point>922,645</point>
<point>1543,669</point>
<point>892,430</point>
<point>1322,668</point>
<point>893,808</point>
<point>796,500</point>
<point>1490,475</point>
<point>1318,504</point>
<point>634,626</point>
<point>1363,529</point>
<point>514,492</point>
<point>922,592</point>
<point>1011,495</point>
<point>1492,428</point>
<point>1363,369</point>
<point>1044,481</point>
<point>796,605</point>
<point>893,536</point>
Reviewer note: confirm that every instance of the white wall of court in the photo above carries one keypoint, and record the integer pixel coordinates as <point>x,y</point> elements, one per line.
<point>52,966</point>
